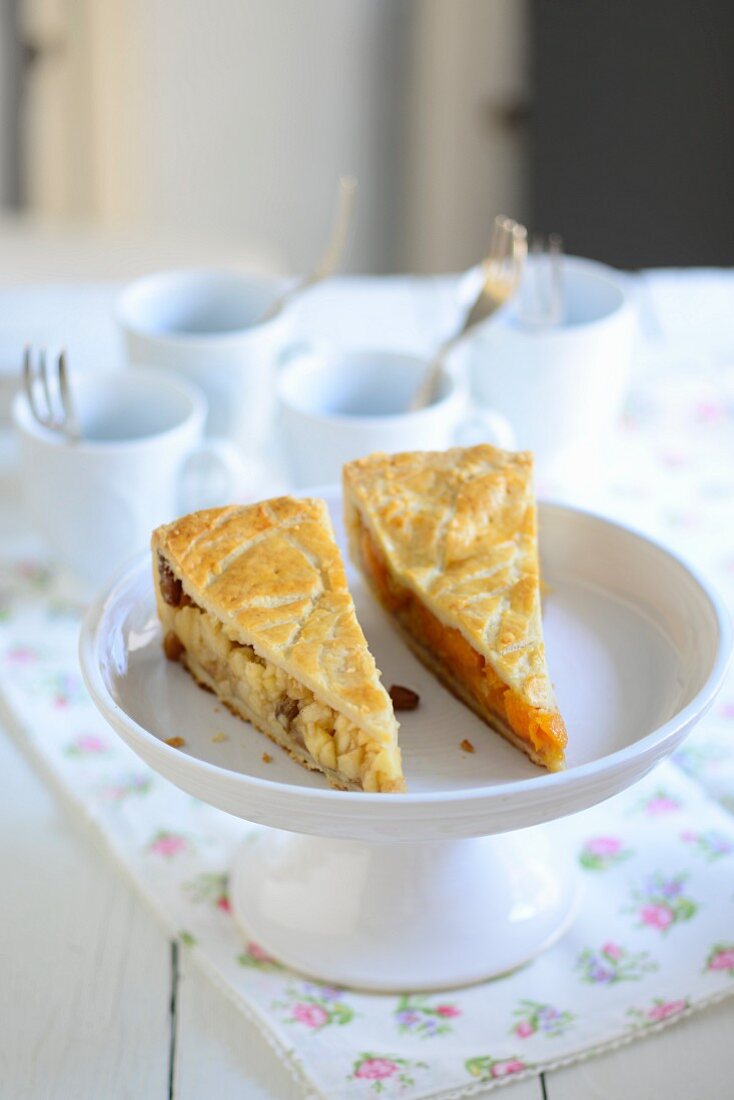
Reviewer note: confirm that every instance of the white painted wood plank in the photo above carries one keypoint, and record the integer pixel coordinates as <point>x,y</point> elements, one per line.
<point>85,969</point>
<point>694,1058</point>
<point>220,1053</point>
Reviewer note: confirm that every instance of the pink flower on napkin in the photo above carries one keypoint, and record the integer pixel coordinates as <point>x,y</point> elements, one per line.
<point>708,412</point>
<point>664,1011</point>
<point>90,743</point>
<point>661,902</point>
<point>376,1069</point>
<point>20,655</point>
<point>658,1012</point>
<point>87,744</point>
<point>505,1069</point>
<point>612,950</point>
<point>310,1015</point>
<point>604,845</point>
<point>662,804</point>
<point>258,952</point>
<point>257,958</point>
<point>599,853</point>
<point>656,916</point>
<point>167,844</point>
<point>722,960</point>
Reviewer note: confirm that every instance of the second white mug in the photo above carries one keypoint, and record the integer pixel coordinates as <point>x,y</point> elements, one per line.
<point>207,326</point>
<point>336,406</point>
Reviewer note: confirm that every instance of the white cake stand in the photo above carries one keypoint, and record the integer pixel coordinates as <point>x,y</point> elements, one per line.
<point>460,879</point>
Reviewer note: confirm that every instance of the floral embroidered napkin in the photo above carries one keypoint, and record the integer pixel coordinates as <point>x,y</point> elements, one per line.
<point>654,939</point>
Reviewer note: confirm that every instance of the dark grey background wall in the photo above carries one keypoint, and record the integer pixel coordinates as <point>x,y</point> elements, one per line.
<point>632,128</point>
<point>11,60</point>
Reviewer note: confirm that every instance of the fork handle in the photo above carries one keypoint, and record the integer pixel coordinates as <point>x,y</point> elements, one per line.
<point>427,389</point>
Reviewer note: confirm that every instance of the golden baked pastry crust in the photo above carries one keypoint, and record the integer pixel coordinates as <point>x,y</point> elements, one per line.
<point>272,576</point>
<point>458,529</point>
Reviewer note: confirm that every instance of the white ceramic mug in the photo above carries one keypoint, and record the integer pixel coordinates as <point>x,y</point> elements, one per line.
<point>562,387</point>
<point>206,325</point>
<point>339,405</point>
<point>142,461</point>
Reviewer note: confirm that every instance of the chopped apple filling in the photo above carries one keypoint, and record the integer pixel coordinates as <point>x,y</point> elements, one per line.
<point>246,681</point>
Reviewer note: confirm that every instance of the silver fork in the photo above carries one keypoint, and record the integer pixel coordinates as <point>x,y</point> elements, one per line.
<point>540,299</point>
<point>502,270</point>
<point>49,393</point>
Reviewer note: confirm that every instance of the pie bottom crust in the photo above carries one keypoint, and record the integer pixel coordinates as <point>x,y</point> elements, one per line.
<point>465,696</point>
<point>273,729</point>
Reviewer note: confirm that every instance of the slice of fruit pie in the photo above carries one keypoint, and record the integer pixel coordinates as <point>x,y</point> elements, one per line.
<point>448,543</point>
<point>254,603</point>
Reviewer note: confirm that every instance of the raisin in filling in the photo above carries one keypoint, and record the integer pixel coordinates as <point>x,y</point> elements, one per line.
<point>171,587</point>
<point>286,710</point>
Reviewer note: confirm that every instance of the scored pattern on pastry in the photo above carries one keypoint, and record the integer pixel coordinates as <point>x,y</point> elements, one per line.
<point>272,575</point>
<point>458,528</point>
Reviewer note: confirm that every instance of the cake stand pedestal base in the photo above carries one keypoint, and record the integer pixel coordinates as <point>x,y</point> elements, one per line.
<point>404,916</point>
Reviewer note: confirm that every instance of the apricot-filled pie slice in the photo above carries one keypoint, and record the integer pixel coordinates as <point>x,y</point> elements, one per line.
<point>254,603</point>
<point>448,543</point>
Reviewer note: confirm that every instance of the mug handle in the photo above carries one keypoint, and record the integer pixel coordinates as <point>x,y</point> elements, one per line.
<point>214,473</point>
<point>478,424</point>
<point>292,351</point>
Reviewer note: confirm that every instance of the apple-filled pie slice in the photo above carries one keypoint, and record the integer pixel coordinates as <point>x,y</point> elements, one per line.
<point>254,603</point>
<point>448,542</point>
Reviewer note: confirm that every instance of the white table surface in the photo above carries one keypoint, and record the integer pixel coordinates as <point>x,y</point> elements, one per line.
<point>96,1004</point>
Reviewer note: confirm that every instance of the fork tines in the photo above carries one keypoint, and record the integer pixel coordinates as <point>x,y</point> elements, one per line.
<point>48,391</point>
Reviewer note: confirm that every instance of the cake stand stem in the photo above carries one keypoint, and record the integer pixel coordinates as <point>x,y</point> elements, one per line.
<point>405,916</point>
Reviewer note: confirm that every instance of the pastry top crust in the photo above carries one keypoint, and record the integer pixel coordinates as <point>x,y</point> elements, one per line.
<point>459,528</point>
<point>272,574</point>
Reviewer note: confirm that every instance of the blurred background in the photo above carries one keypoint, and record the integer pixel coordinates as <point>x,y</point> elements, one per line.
<point>227,123</point>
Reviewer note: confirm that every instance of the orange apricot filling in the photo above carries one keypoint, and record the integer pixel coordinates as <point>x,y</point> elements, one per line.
<point>542,729</point>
